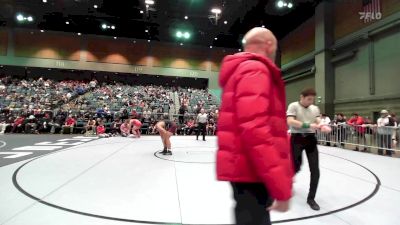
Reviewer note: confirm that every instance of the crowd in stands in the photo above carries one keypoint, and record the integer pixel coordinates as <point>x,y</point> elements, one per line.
<point>37,95</point>
<point>70,106</point>
<point>48,106</point>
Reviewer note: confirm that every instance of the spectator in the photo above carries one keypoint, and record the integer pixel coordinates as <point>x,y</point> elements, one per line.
<point>4,124</point>
<point>56,123</point>
<point>101,130</point>
<point>91,125</point>
<point>189,127</point>
<point>211,127</point>
<point>115,127</point>
<point>325,120</point>
<point>386,133</point>
<point>181,114</point>
<point>17,125</point>
<point>356,121</point>
<point>43,124</point>
<point>69,124</point>
<point>340,132</point>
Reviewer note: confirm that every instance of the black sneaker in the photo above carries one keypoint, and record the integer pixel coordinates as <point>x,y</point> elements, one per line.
<point>168,152</point>
<point>164,152</point>
<point>313,204</point>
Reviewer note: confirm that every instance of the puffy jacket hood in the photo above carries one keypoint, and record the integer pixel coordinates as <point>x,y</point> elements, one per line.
<point>232,62</point>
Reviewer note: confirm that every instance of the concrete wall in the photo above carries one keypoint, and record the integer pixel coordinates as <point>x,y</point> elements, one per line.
<point>353,81</point>
<point>294,88</point>
<point>365,60</point>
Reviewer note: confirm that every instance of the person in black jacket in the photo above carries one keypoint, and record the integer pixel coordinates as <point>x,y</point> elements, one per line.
<point>182,111</point>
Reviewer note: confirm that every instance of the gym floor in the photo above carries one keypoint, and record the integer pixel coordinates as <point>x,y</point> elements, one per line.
<point>54,179</point>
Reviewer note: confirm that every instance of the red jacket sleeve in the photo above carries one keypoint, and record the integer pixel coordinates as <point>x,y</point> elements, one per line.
<point>360,121</point>
<point>351,121</point>
<point>252,104</point>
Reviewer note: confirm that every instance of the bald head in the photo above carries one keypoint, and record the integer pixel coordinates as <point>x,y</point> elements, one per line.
<point>261,41</point>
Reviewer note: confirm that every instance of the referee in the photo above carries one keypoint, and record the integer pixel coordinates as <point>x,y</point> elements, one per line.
<point>303,117</point>
<point>202,119</point>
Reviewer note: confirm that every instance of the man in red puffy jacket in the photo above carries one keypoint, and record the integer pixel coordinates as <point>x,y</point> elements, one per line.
<point>254,148</point>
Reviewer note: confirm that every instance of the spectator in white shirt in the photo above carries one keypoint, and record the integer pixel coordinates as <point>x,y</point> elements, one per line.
<point>386,133</point>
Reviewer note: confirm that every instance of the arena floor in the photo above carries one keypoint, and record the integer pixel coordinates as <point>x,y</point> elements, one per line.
<point>77,180</point>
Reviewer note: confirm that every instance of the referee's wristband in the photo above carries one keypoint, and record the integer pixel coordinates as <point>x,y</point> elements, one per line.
<point>305,125</point>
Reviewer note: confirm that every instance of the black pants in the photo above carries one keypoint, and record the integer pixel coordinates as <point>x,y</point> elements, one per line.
<point>308,143</point>
<point>385,141</point>
<point>202,129</point>
<point>181,120</point>
<point>252,199</point>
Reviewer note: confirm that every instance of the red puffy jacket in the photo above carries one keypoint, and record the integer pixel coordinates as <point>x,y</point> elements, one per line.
<point>252,130</point>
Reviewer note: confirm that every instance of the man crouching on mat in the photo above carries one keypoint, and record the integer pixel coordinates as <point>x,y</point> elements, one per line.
<point>166,128</point>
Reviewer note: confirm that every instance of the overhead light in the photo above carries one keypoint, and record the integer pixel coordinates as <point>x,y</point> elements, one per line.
<point>181,44</point>
<point>283,3</point>
<point>113,27</point>
<point>95,6</point>
<point>216,10</point>
<point>263,26</point>
<point>42,31</point>
<point>186,35</point>
<point>186,17</point>
<point>141,12</point>
<point>44,1</point>
<point>148,41</point>
<point>215,38</point>
<point>79,34</point>
<point>240,49</point>
<point>115,37</point>
<point>104,26</point>
<point>20,17</point>
<point>149,2</point>
<point>134,42</point>
<point>179,34</point>
<point>147,31</point>
<point>225,22</point>
<point>211,46</point>
<point>67,22</point>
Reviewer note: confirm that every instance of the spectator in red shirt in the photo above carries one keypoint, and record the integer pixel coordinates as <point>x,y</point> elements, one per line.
<point>189,127</point>
<point>357,122</point>
<point>69,123</point>
<point>17,125</point>
<point>101,130</point>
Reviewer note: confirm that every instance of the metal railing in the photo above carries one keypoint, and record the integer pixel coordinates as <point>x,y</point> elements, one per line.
<point>365,138</point>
